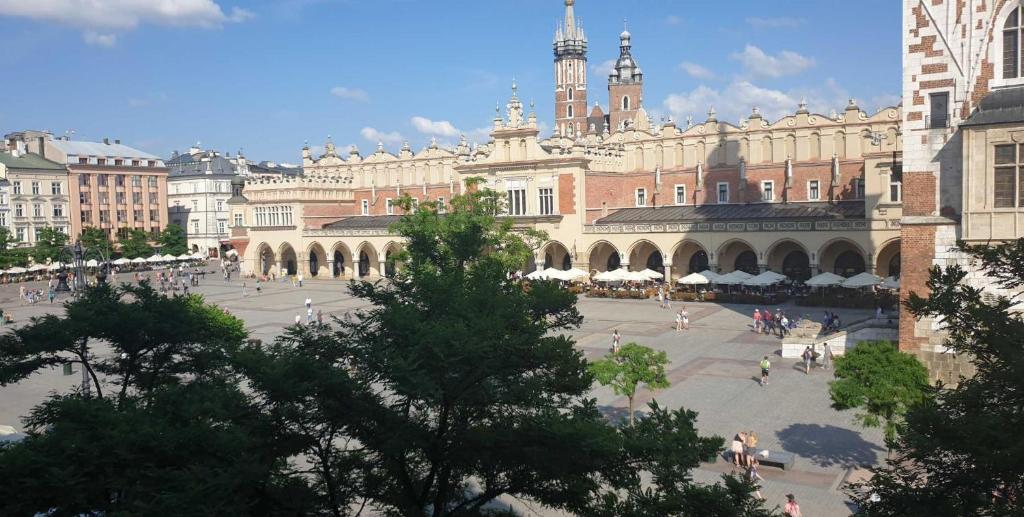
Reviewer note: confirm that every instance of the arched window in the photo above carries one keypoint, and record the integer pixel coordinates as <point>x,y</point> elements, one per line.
<point>698,262</point>
<point>747,262</point>
<point>568,111</point>
<point>613,262</point>
<point>1011,44</point>
<point>570,95</point>
<point>625,103</point>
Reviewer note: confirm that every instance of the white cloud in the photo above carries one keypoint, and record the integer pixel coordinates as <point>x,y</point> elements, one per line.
<point>239,15</point>
<point>758,63</point>
<point>673,20</point>
<point>696,71</point>
<point>603,69</point>
<point>434,128</point>
<point>100,40</point>
<point>774,23</point>
<point>737,100</point>
<point>353,94</point>
<point>375,136</point>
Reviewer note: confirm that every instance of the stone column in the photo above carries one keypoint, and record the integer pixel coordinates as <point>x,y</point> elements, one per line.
<point>355,270</point>
<point>668,274</point>
<point>383,267</point>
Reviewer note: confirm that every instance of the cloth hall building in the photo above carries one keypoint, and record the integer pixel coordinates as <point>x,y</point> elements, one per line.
<point>799,195</point>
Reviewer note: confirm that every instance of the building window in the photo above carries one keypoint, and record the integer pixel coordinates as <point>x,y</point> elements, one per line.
<point>767,191</point>
<point>17,188</point>
<point>222,227</point>
<point>19,210</point>
<point>83,161</point>
<point>389,206</point>
<point>101,180</point>
<point>641,197</point>
<point>896,185</point>
<point>939,109</point>
<point>858,188</point>
<point>516,197</point>
<point>625,103</point>
<point>19,233</point>
<point>723,192</point>
<point>61,229</point>
<point>137,198</point>
<point>238,220</point>
<point>83,180</point>
<point>195,227</point>
<point>101,161</point>
<point>546,196</point>
<point>220,205</point>
<point>366,207</point>
<point>1008,187</point>
<point>152,163</point>
<point>1011,44</point>
<point>118,162</point>
<point>813,190</point>
<point>3,218</point>
<point>195,205</point>
<point>37,210</point>
<point>136,181</point>
<point>35,188</point>
<point>58,210</point>
<point>122,216</point>
<point>84,216</point>
<point>119,180</point>
<point>55,188</point>
<point>120,198</point>
<point>680,194</point>
<point>154,216</point>
<point>441,207</point>
<point>153,198</point>
<point>568,111</point>
<point>152,182</point>
<point>36,232</point>
<point>136,163</point>
<point>570,95</point>
<point>137,214</point>
<point>104,216</point>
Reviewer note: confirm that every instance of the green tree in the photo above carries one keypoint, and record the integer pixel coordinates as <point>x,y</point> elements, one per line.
<point>96,242</point>
<point>173,240</point>
<point>882,381</point>
<point>626,370</point>
<point>164,424</point>
<point>136,245</point>
<point>9,255</point>
<point>49,244</point>
<point>957,453</point>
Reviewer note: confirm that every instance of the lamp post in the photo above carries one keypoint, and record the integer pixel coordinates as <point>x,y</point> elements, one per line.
<point>77,254</point>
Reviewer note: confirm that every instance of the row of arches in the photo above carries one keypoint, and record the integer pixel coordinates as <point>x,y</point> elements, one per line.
<point>338,261</point>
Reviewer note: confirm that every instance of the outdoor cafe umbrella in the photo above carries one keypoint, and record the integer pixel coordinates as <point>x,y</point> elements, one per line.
<point>37,267</point>
<point>861,280</point>
<point>652,274</point>
<point>56,266</point>
<point>121,261</point>
<point>92,263</point>
<point>891,283</point>
<point>825,280</point>
<point>710,275</point>
<point>733,278</point>
<point>575,274</point>
<point>155,258</point>
<point>615,275</point>
<point>170,258</point>
<point>185,256</point>
<point>537,275</point>
<point>138,260</point>
<point>636,276</point>
<point>765,279</point>
<point>198,256</point>
<point>16,270</point>
<point>694,279</point>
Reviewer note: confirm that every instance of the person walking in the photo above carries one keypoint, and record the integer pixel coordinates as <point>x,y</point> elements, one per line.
<point>826,357</point>
<point>757,320</point>
<point>661,299</point>
<point>686,318</point>
<point>309,303</point>
<point>792,509</point>
<point>807,356</point>
<point>736,447</point>
<point>616,341</point>
<point>309,316</point>
<point>765,366</point>
<point>258,286</point>
<point>320,316</point>
<point>244,292</point>
<point>298,319</point>
<point>679,321</point>
<point>51,294</point>
<point>299,277</point>
<point>754,477</point>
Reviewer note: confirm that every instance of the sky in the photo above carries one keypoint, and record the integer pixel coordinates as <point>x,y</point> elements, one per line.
<point>268,76</point>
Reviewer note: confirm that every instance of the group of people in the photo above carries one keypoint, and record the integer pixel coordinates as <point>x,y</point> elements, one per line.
<point>319,318</point>
<point>744,455</point>
<point>34,296</point>
<point>767,323</point>
<point>810,355</point>
<point>830,322</point>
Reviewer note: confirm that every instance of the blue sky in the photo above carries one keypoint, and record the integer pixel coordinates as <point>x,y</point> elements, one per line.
<point>267,76</point>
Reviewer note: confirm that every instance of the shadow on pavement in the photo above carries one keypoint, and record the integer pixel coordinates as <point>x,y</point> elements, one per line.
<point>618,416</point>
<point>828,445</point>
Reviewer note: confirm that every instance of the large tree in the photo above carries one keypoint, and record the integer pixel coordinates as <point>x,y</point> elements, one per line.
<point>136,245</point>
<point>957,454</point>
<point>50,243</point>
<point>630,367</point>
<point>96,242</point>
<point>173,240</point>
<point>163,426</point>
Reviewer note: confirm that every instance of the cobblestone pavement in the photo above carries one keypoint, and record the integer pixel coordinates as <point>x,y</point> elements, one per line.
<point>714,371</point>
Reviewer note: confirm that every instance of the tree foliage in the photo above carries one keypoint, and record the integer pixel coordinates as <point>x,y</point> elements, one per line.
<point>136,245</point>
<point>96,243</point>
<point>957,454</point>
<point>173,240</point>
<point>630,367</point>
<point>882,381</point>
<point>49,244</point>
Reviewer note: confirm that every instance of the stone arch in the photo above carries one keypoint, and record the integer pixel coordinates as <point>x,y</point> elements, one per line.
<point>839,144</point>
<point>391,264</point>
<point>690,256</point>
<point>266,260</point>
<point>288,260</point>
<point>887,261</point>
<point>842,257</point>
<point>341,261</point>
<point>789,258</point>
<point>814,146</point>
<point>369,263</point>
<point>644,254</point>
<point>556,255</point>
<point>737,254</point>
<point>603,256</point>
<point>316,260</point>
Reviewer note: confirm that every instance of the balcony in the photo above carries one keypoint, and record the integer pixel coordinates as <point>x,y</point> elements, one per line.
<point>936,122</point>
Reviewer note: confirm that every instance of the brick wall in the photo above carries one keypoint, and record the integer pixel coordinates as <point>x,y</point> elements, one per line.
<point>919,192</point>
<point>917,252</point>
<point>566,194</point>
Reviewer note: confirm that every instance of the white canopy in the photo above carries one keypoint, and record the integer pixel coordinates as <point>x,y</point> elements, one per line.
<point>694,279</point>
<point>710,275</point>
<point>764,279</point>
<point>575,274</point>
<point>615,275</point>
<point>92,263</point>
<point>121,261</point>
<point>891,283</point>
<point>170,258</point>
<point>198,256</point>
<point>537,275</point>
<point>16,270</point>
<point>862,280</point>
<point>185,256</point>
<point>138,260</point>
<point>652,274</point>
<point>155,258</point>
<point>56,266</point>
<point>736,277</point>
<point>636,276</point>
<point>824,280</point>
<point>37,267</point>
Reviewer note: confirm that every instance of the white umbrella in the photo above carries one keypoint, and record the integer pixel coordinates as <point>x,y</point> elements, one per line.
<point>198,256</point>
<point>138,260</point>
<point>615,275</point>
<point>185,256</point>
<point>636,276</point>
<point>92,263</point>
<point>155,258</point>
<point>891,283</point>
<point>536,275</point>
<point>824,280</point>
<point>694,279</point>
<point>121,261</point>
<point>56,266</point>
<point>861,280</point>
<point>573,274</point>
<point>170,258</point>
<point>37,267</point>
<point>735,277</point>
<point>17,270</point>
<point>652,274</point>
<point>765,279</point>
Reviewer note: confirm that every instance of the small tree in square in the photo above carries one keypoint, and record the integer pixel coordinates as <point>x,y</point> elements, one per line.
<point>626,370</point>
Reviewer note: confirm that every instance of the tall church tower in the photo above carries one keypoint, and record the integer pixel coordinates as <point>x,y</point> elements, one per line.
<point>570,76</point>
<point>625,86</point>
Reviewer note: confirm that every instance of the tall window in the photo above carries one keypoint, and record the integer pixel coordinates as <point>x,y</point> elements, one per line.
<point>547,201</point>
<point>101,180</point>
<point>222,227</point>
<point>17,188</point>
<point>35,188</point>
<point>1011,44</point>
<point>896,185</point>
<point>58,210</point>
<point>195,226</point>
<point>389,206</point>
<point>641,197</point>
<point>680,194</point>
<point>119,180</point>
<point>137,198</point>
<point>220,205</point>
<point>366,207</point>
<point>939,110</point>
<point>441,207</point>
<point>570,95</point>
<point>723,192</point>
<point>516,196</point>
<point>19,210</point>
<point>55,188</point>
<point>1008,187</point>
<point>813,190</point>
<point>83,180</point>
<point>858,188</point>
<point>37,210</point>
<point>19,234</point>
<point>238,220</point>
<point>152,182</point>
<point>136,181</point>
<point>767,191</point>
<point>195,205</point>
<point>568,111</point>
<point>625,103</point>
<point>3,218</point>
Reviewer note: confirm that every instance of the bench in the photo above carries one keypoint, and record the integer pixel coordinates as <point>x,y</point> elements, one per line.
<point>779,459</point>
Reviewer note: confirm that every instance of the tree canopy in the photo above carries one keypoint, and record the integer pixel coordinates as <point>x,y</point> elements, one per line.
<point>956,454</point>
<point>136,245</point>
<point>49,244</point>
<point>173,240</point>
<point>96,243</point>
<point>630,367</point>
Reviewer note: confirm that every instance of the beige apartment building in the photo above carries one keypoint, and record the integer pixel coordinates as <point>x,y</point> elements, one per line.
<point>37,194</point>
